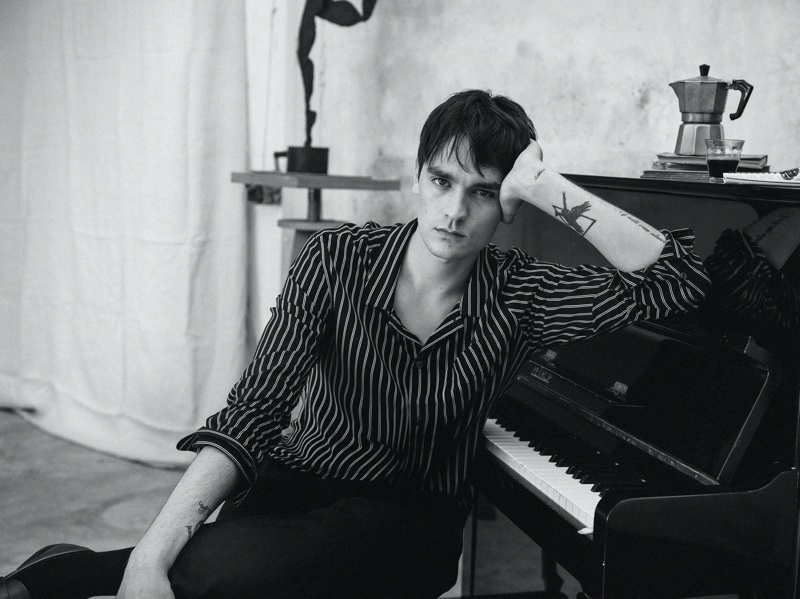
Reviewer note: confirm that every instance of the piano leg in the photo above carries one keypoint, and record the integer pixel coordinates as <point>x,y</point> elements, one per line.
<point>552,581</point>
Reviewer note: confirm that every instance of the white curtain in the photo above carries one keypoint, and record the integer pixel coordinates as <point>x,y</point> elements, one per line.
<point>122,239</point>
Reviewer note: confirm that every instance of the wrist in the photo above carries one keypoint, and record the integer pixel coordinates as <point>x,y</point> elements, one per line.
<point>145,557</point>
<point>540,186</point>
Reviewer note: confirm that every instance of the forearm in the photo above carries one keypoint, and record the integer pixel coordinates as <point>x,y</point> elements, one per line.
<point>625,241</point>
<point>208,481</point>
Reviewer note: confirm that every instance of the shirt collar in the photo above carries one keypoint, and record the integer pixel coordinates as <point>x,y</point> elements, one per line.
<point>387,259</point>
<point>386,262</point>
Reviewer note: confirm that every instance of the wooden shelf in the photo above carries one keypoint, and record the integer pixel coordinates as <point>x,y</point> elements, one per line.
<point>276,179</point>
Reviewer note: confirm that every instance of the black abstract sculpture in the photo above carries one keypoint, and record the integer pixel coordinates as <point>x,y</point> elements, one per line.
<point>336,11</point>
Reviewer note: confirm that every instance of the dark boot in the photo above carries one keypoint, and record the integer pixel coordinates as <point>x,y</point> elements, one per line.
<point>34,569</point>
<point>13,589</point>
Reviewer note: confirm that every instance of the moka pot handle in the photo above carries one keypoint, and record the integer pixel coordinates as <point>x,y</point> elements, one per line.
<point>746,89</point>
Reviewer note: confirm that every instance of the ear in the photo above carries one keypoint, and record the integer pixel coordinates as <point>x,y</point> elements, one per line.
<point>415,186</point>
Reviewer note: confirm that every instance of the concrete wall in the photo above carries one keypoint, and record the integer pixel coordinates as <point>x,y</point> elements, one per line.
<point>593,75</point>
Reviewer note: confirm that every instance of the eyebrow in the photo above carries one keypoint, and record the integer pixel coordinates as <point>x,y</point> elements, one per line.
<point>437,171</point>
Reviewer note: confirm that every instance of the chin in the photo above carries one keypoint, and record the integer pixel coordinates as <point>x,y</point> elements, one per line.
<point>446,251</point>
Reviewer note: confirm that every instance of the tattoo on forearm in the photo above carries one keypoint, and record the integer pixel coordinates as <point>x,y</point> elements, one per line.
<point>778,220</point>
<point>204,511</point>
<point>539,174</point>
<point>192,530</point>
<point>572,216</point>
<point>657,234</point>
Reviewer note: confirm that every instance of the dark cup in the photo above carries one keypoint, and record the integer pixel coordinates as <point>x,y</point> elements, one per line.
<point>303,159</point>
<point>722,156</point>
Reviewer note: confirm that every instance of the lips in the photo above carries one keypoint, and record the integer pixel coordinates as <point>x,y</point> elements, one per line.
<point>449,232</point>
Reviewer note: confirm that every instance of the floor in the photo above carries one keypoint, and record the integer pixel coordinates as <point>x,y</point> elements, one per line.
<point>54,491</point>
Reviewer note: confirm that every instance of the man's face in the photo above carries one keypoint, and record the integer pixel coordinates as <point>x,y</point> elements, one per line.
<point>459,209</point>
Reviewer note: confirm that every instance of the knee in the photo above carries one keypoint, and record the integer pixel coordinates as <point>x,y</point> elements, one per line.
<point>228,561</point>
<point>208,567</point>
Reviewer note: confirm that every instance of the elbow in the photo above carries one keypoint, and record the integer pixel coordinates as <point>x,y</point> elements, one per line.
<point>634,261</point>
<point>633,264</point>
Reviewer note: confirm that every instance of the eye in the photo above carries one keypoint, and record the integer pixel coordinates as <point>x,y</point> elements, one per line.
<point>485,193</point>
<point>440,182</point>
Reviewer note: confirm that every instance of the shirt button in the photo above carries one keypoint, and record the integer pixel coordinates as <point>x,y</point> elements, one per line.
<point>419,364</point>
<point>684,275</point>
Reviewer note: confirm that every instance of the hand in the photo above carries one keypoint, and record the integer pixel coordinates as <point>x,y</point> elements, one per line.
<point>527,168</point>
<point>143,582</point>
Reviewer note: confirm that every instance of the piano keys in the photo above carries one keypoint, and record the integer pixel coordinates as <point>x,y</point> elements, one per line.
<point>638,461</point>
<point>573,499</point>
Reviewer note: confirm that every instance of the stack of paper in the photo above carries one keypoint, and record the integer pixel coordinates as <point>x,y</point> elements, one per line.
<point>789,178</point>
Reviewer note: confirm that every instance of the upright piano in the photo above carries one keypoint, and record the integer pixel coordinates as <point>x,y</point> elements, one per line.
<point>659,460</point>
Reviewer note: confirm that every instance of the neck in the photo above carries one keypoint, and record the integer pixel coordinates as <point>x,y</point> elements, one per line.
<point>427,272</point>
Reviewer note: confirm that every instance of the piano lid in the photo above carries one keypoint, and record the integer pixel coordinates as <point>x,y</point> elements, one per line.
<point>692,401</point>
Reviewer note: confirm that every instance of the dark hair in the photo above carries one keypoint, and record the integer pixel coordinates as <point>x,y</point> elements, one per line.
<point>496,128</point>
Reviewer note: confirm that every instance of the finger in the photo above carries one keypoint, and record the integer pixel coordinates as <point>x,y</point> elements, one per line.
<point>536,149</point>
<point>510,207</point>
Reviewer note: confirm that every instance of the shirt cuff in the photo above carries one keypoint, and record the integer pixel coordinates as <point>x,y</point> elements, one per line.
<point>230,447</point>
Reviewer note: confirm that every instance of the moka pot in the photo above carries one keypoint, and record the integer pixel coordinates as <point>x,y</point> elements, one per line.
<point>702,104</point>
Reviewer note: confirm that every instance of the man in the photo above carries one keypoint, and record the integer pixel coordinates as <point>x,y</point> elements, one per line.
<point>398,339</point>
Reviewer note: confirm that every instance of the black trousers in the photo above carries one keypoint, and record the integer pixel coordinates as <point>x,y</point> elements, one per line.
<point>296,536</point>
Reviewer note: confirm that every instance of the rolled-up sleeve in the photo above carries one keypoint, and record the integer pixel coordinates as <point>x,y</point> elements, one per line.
<point>747,285</point>
<point>569,303</point>
<point>260,403</point>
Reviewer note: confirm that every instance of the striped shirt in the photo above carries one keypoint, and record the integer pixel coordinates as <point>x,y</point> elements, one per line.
<point>379,405</point>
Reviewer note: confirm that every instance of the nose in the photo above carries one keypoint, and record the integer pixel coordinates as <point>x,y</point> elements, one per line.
<point>456,206</point>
